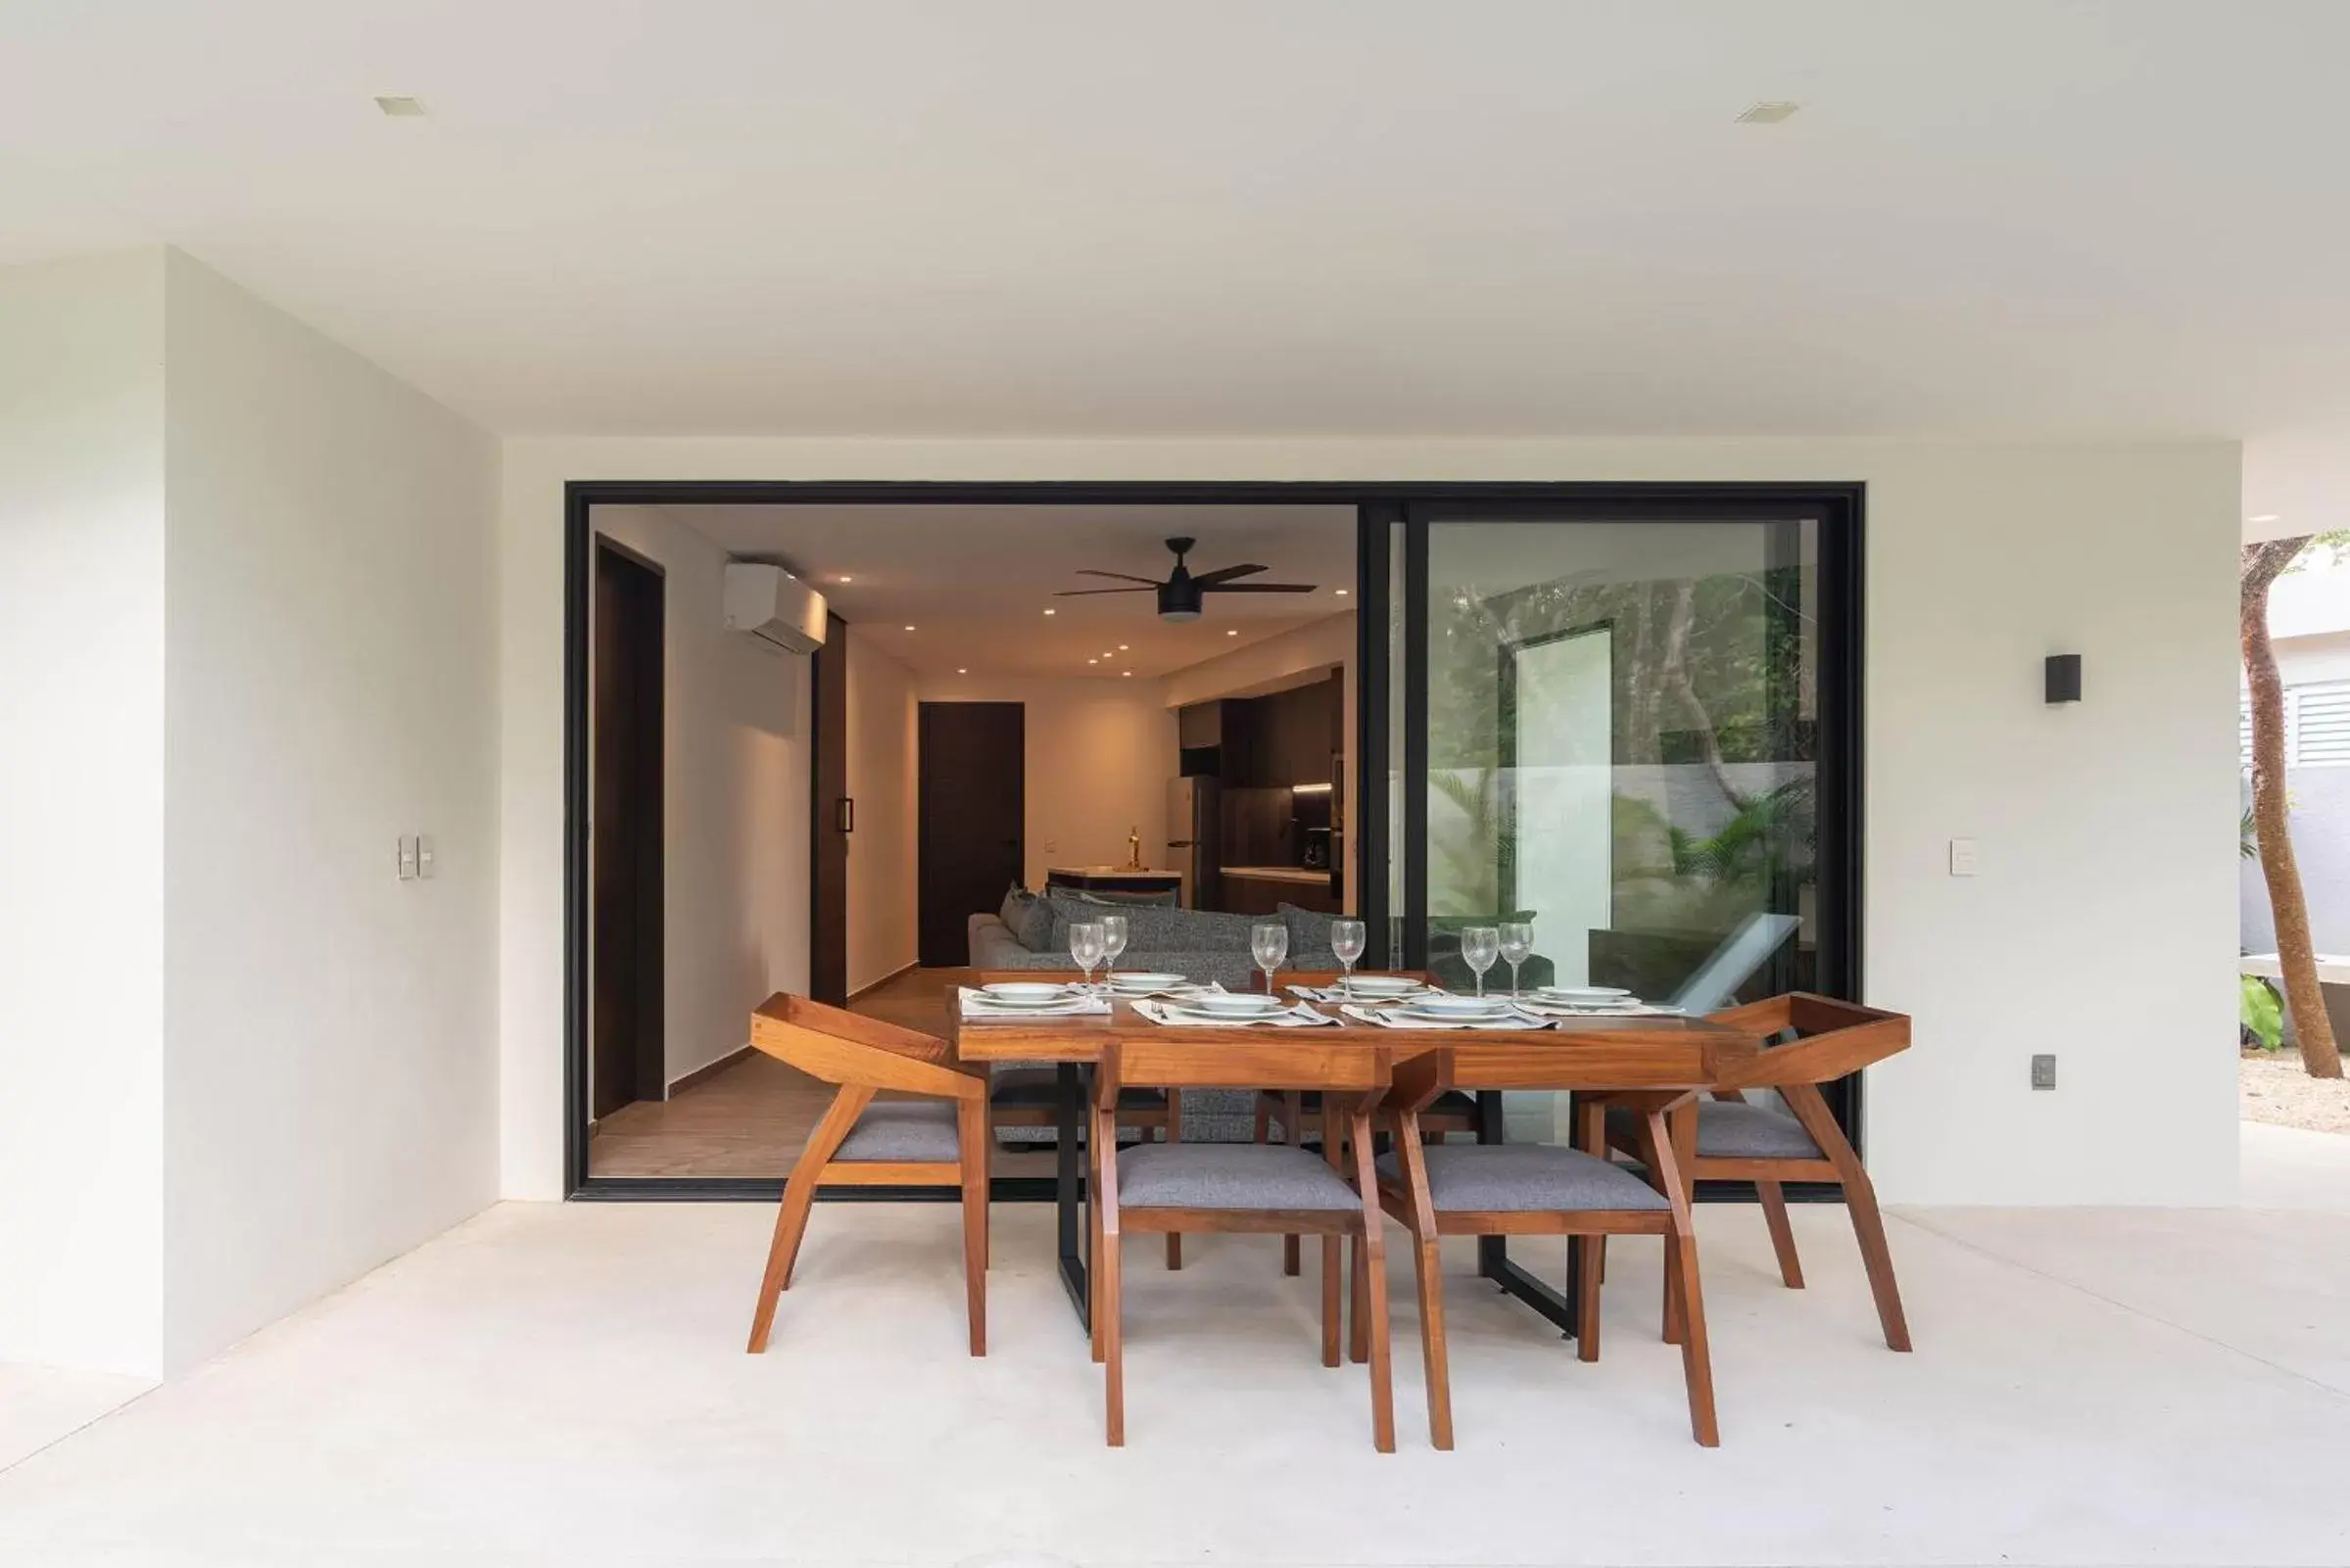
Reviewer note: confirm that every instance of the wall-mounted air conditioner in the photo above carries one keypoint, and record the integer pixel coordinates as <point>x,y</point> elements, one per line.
<point>774,606</point>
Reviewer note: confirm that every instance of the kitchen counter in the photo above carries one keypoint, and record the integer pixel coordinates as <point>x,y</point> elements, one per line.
<point>1108,873</point>
<point>1278,874</point>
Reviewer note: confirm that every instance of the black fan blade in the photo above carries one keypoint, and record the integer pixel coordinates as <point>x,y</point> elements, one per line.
<point>1123,577</point>
<point>1080,592</point>
<point>1258,588</point>
<point>1224,574</point>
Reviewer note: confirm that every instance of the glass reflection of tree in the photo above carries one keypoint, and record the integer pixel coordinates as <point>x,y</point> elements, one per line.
<point>1708,674</point>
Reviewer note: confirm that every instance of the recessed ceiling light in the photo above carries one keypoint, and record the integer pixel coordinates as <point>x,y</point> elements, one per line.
<point>909,629</point>
<point>1231,633</point>
<point>400,106</point>
<point>962,672</point>
<point>1052,612</point>
<point>2266,517</point>
<point>844,578</point>
<point>1093,661</point>
<point>1769,112</point>
<point>1129,674</point>
<point>1107,654</point>
<point>1342,593</point>
<point>1122,647</point>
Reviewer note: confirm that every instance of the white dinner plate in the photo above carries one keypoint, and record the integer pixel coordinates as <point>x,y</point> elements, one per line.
<point>1584,995</point>
<point>1373,987</point>
<point>1233,1005</point>
<point>1025,993</point>
<point>1445,1005</point>
<point>1147,980</point>
<point>1041,1010</point>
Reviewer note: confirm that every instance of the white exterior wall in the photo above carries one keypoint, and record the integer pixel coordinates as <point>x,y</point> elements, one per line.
<point>81,788</point>
<point>2102,925</point>
<point>330,1070</point>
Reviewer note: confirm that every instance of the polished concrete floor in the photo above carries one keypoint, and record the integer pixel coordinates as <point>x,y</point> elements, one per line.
<point>565,1385</point>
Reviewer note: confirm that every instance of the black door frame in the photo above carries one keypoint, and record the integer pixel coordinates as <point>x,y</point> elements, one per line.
<point>1838,507</point>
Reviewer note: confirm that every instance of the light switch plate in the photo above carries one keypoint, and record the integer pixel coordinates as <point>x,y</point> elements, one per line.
<point>408,858</point>
<point>424,855</point>
<point>1963,857</point>
<point>2044,1071</point>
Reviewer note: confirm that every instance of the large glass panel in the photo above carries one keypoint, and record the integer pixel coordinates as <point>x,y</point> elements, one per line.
<point>1621,730</point>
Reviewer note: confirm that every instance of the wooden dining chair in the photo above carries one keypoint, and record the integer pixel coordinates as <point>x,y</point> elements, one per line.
<point>1181,1188</point>
<point>1030,1096</point>
<point>1507,1189</point>
<point>1730,1138</point>
<point>937,1137</point>
<point>1296,1112</point>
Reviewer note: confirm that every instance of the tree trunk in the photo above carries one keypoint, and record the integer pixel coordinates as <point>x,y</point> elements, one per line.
<point>1685,694</point>
<point>2296,954</point>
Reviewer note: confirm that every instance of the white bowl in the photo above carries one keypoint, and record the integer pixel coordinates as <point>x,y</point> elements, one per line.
<point>1025,993</point>
<point>1374,985</point>
<point>1443,1004</point>
<point>1147,980</point>
<point>1585,995</point>
<point>1236,1004</point>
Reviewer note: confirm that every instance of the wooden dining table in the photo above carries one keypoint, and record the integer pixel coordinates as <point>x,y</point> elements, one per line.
<point>1636,1051</point>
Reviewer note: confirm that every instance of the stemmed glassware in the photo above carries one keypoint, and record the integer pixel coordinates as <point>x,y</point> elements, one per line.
<point>1086,946</point>
<point>1268,943</point>
<point>1347,937</point>
<point>1518,945</point>
<point>1481,945</point>
<point>1114,943</point>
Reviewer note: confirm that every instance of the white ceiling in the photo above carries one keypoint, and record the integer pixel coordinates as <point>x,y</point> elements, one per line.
<point>973,581</point>
<point>1066,217</point>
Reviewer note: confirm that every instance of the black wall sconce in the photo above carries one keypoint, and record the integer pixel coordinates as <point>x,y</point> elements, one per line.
<point>2064,678</point>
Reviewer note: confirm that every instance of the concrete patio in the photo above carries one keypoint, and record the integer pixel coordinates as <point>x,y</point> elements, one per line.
<point>564,1384</point>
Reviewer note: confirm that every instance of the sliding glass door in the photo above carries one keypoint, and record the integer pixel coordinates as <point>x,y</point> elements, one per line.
<point>1632,724</point>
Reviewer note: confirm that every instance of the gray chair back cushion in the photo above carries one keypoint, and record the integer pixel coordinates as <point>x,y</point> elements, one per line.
<point>1526,1178</point>
<point>902,1130</point>
<point>1229,1175</point>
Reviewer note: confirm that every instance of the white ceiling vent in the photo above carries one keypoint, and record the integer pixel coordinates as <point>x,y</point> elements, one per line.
<point>1770,112</point>
<point>400,106</point>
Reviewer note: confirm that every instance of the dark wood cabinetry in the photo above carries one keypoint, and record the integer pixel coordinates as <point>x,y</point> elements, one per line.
<point>1282,740</point>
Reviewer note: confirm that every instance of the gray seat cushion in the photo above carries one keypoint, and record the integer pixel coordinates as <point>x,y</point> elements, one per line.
<point>901,1130</point>
<point>1737,1129</point>
<point>1031,1088</point>
<point>1526,1177</point>
<point>1229,1175</point>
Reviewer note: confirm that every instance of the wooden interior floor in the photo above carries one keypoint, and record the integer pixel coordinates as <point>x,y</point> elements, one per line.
<point>752,1118</point>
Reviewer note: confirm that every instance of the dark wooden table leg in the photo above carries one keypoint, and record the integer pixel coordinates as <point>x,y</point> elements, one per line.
<point>1493,1252</point>
<point>1069,1196</point>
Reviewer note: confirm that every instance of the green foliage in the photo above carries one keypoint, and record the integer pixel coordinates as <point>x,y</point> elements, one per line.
<point>2259,1011</point>
<point>1767,842</point>
<point>2248,836</point>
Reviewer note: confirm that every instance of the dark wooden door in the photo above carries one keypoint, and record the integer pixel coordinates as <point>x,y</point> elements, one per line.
<point>828,852</point>
<point>625,818</point>
<point>972,835</point>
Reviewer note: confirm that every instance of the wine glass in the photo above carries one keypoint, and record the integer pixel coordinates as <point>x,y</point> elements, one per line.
<point>1269,941</point>
<point>1114,943</point>
<point>1481,945</point>
<point>1347,937</point>
<point>1518,945</point>
<point>1086,946</point>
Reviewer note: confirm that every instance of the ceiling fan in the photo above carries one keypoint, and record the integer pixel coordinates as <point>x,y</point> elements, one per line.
<point>1179,594</point>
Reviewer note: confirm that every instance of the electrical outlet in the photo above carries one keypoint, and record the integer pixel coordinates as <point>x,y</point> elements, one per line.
<point>1963,857</point>
<point>408,858</point>
<point>2044,1071</point>
<point>424,855</point>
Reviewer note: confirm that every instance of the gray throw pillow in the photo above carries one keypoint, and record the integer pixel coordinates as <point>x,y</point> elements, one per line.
<point>1030,919</point>
<point>1309,938</point>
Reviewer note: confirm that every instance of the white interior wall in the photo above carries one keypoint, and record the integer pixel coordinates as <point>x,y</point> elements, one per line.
<point>330,1070</point>
<point>734,802</point>
<point>882,719</point>
<point>2101,927</point>
<point>1099,755</point>
<point>81,787</point>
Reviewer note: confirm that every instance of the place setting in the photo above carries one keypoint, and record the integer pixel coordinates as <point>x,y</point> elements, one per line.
<point>1029,999</point>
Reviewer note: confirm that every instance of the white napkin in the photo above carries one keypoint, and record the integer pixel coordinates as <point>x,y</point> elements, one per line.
<point>1336,993</point>
<point>1568,1010</point>
<point>1300,1017</point>
<point>975,1005</point>
<point>1388,1021</point>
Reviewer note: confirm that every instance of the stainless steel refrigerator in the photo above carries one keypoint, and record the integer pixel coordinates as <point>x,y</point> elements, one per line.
<point>1195,838</point>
